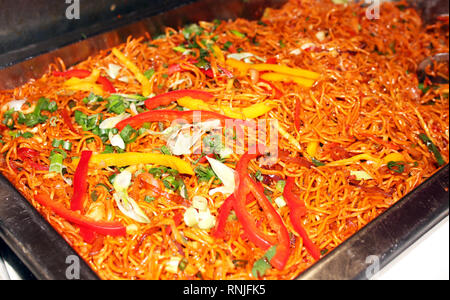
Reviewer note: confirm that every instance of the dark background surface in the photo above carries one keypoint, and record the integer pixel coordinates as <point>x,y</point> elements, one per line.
<point>24,22</point>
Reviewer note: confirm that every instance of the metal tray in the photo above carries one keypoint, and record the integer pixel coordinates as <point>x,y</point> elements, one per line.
<point>47,255</point>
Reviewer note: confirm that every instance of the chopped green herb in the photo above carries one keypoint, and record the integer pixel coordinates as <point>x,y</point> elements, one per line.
<point>179,49</point>
<point>433,149</point>
<point>237,33</point>
<point>27,135</point>
<point>116,104</point>
<point>112,178</point>
<point>204,174</point>
<point>261,266</point>
<point>182,264</point>
<point>227,45</point>
<point>14,134</point>
<point>191,30</point>
<point>108,149</point>
<point>262,23</point>
<point>34,118</point>
<point>149,73</point>
<point>424,89</point>
<point>396,166</point>
<point>149,199</point>
<point>88,123</point>
<point>129,134</point>
<point>8,119</point>
<point>317,162</point>
<point>94,196</point>
<point>259,176</point>
<point>280,185</point>
<point>92,98</point>
<point>57,157</point>
<point>324,251</point>
<point>66,145</point>
<point>165,150</point>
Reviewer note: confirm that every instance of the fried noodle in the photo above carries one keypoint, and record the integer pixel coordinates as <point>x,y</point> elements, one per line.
<point>366,103</point>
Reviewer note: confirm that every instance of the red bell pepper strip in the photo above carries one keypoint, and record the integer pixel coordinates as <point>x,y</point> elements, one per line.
<point>167,98</point>
<point>205,70</point>
<point>27,155</point>
<point>67,120</point>
<point>39,167</point>
<point>296,204</point>
<point>281,256</point>
<point>72,73</point>
<point>170,115</point>
<point>208,72</point>
<point>272,60</point>
<point>100,227</point>
<point>224,212</point>
<point>297,115</point>
<point>244,185</point>
<point>79,193</point>
<point>254,234</point>
<point>174,68</point>
<point>80,182</point>
<point>106,84</point>
<point>297,210</point>
<point>88,235</point>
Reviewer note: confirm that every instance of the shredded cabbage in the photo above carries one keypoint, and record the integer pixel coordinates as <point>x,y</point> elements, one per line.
<point>126,204</point>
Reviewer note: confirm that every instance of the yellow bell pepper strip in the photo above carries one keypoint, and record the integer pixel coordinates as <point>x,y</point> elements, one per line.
<point>92,77</point>
<point>287,78</point>
<point>80,73</point>
<point>193,103</point>
<point>286,70</point>
<point>393,157</point>
<point>276,72</point>
<point>87,84</point>
<point>135,158</point>
<point>87,87</point>
<point>249,112</point>
<point>146,86</point>
<point>169,97</point>
<point>311,148</point>
<point>242,67</point>
<point>354,159</point>
<point>218,53</point>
